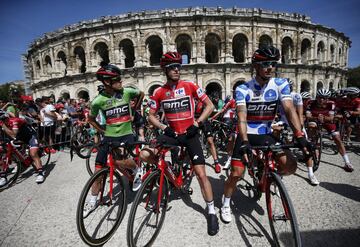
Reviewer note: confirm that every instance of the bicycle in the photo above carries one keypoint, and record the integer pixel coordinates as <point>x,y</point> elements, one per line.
<point>15,158</point>
<point>100,224</point>
<point>150,204</point>
<point>262,169</point>
<point>221,132</point>
<point>82,139</point>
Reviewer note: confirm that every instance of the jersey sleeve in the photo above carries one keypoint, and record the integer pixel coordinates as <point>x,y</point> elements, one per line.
<point>197,92</point>
<point>241,94</point>
<point>132,92</point>
<point>284,89</point>
<point>154,101</point>
<point>297,100</point>
<point>94,108</point>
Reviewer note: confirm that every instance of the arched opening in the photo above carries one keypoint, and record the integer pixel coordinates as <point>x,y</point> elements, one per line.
<point>305,86</point>
<point>155,47</point>
<point>213,89</point>
<point>305,51</point>
<point>80,63</point>
<point>65,95</point>
<point>184,47</point>
<point>48,64</point>
<point>321,52</point>
<point>152,89</point>
<point>126,47</point>
<point>102,52</point>
<point>38,67</point>
<point>212,48</point>
<point>287,49</point>
<point>62,63</point>
<point>332,53</point>
<point>319,85</point>
<point>239,47</point>
<point>83,94</point>
<point>340,56</point>
<point>265,40</point>
<point>331,85</point>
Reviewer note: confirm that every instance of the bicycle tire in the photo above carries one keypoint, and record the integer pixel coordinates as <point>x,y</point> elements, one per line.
<point>90,160</point>
<point>44,156</point>
<point>291,237</point>
<point>89,236</point>
<point>11,176</point>
<point>148,192</point>
<point>317,153</point>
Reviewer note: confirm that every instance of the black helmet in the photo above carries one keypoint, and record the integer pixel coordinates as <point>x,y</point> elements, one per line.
<point>3,115</point>
<point>108,71</point>
<point>267,53</point>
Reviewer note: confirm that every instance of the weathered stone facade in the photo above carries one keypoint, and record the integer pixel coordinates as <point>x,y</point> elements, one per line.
<point>216,44</point>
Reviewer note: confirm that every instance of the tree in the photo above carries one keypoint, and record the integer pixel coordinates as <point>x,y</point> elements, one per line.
<point>354,77</point>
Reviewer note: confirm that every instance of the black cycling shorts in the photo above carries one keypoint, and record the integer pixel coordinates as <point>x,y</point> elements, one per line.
<point>193,146</point>
<point>206,128</point>
<point>101,156</point>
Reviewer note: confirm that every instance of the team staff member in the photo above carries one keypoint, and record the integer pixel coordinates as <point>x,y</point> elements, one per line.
<point>176,98</point>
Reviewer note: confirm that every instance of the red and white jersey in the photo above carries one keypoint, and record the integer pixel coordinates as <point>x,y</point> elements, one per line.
<point>316,109</point>
<point>230,109</point>
<point>15,123</point>
<point>177,103</point>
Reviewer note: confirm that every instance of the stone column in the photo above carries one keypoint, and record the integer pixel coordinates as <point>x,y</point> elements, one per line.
<point>227,82</point>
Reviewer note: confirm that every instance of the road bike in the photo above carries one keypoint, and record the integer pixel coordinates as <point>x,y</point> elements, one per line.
<point>82,140</point>
<point>262,169</point>
<point>148,211</point>
<point>108,185</point>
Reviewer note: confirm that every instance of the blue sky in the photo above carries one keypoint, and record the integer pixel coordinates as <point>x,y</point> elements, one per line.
<point>22,21</point>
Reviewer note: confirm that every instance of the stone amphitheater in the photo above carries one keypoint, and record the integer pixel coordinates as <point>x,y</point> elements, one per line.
<point>216,45</point>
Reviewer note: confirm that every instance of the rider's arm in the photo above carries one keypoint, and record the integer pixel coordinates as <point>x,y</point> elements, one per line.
<point>10,132</point>
<point>220,112</point>
<point>292,116</point>
<point>155,121</point>
<point>300,112</point>
<point>95,124</point>
<point>139,101</point>
<point>209,108</point>
<point>242,123</point>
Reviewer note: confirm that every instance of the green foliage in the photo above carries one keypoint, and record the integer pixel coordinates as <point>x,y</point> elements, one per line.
<point>5,90</point>
<point>354,77</point>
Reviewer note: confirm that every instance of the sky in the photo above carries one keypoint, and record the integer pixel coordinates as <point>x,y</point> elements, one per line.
<point>22,21</point>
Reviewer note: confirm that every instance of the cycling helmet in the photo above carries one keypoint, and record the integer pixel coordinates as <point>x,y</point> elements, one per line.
<point>3,115</point>
<point>323,93</point>
<point>108,71</point>
<point>267,53</point>
<point>170,58</point>
<point>351,91</point>
<point>291,83</point>
<point>305,95</point>
<point>59,105</point>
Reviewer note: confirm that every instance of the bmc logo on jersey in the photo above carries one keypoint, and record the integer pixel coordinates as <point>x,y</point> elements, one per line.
<point>262,108</point>
<point>177,105</point>
<point>200,92</point>
<point>180,92</point>
<point>121,110</point>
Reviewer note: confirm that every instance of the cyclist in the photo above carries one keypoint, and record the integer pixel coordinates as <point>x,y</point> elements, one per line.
<point>229,117</point>
<point>176,98</point>
<point>114,102</point>
<point>350,107</point>
<point>207,130</point>
<point>323,110</point>
<point>257,102</point>
<point>17,128</point>
<point>298,104</point>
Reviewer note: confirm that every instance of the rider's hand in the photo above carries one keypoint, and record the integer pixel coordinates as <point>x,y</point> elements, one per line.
<point>170,132</point>
<point>304,144</point>
<point>246,150</point>
<point>192,131</point>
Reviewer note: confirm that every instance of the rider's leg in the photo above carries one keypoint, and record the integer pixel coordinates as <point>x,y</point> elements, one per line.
<point>286,162</point>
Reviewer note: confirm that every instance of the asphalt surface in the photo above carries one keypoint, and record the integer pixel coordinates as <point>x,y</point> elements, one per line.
<point>328,215</point>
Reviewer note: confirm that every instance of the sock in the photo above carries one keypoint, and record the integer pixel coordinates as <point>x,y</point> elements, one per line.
<point>211,207</point>
<point>226,202</point>
<point>346,158</point>
<point>310,171</point>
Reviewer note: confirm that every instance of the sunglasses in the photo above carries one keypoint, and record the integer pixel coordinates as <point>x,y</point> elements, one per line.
<point>173,66</point>
<point>267,64</point>
<point>116,79</point>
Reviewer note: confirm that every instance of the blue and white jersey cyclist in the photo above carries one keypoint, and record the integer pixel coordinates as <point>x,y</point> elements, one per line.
<point>262,102</point>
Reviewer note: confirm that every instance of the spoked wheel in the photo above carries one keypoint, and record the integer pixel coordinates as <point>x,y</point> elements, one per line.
<point>281,213</point>
<point>97,221</point>
<point>44,155</point>
<point>90,160</point>
<point>12,172</point>
<point>317,152</point>
<point>148,211</point>
<point>82,142</point>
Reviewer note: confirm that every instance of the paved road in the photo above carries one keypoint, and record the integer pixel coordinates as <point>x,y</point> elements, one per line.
<point>328,215</point>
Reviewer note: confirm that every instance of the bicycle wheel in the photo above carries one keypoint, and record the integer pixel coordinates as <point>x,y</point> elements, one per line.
<point>13,171</point>
<point>317,152</point>
<point>147,215</point>
<point>281,213</point>
<point>105,216</point>
<point>44,156</point>
<point>90,160</point>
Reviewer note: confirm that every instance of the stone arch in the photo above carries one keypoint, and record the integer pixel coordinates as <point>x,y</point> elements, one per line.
<point>305,86</point>
<point>287,50</point>
<point>237,83</point>
<point>38,66</point>
<point>332,53</point>
<point>331,85</point>
<point>80,61</point>
<point>154,46</point>
<point>61,62</point>
<point>184,47</point>
<point>83,93</point>
<point>240,47</point>
<point>150,90</point>
<point>48,64</point>
<point>265,40</point>
<point>340,56</point>
<point>320,51</point>
<point>213,87</point>
<point>127,53</point>
<point>319,85</point>
<point>101,50</point>
<point>305,51</point>
<point>212,48</point>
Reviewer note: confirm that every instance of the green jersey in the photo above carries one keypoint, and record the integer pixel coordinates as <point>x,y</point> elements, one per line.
<point>117,111</point>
